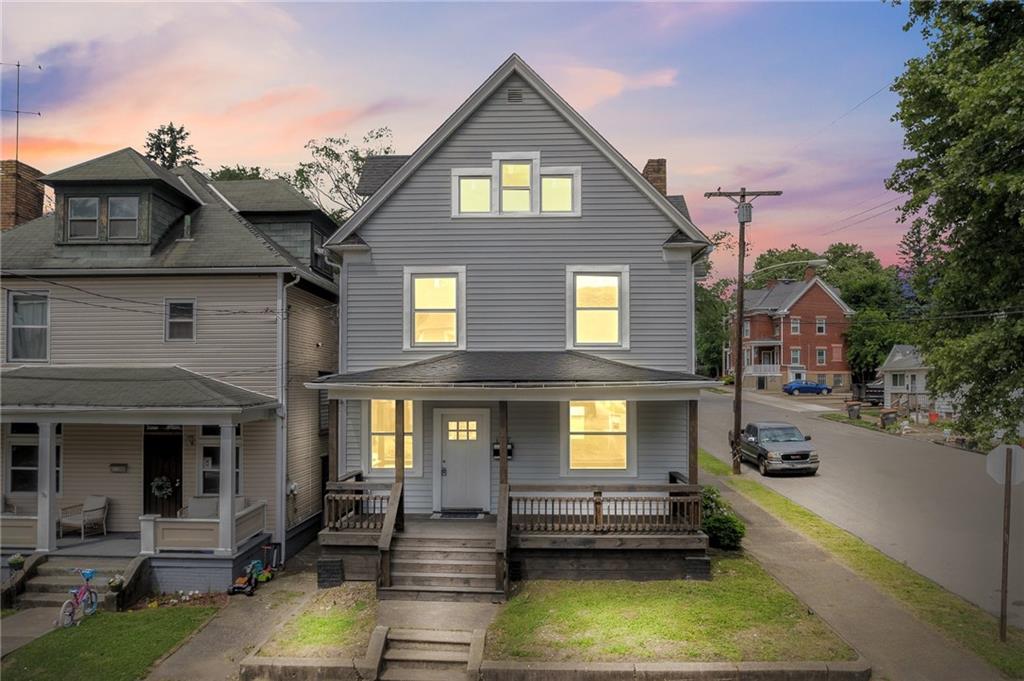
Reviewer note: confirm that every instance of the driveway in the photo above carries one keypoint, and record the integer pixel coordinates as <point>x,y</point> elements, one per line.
<point>931,507</point>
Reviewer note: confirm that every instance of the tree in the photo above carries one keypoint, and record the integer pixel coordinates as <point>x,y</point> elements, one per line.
<point>861,279</point>
<point>712,333</point>
<point>869,338</point>
<point>962,111</point>
<point>168,146</point>
<point>777,256</point>
<point>329,179</point>
<point>917,260</point>
<point>239,172</point>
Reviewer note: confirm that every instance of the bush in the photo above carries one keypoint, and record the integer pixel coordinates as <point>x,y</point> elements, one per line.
<point>724,529</point>
<point>728,379</point>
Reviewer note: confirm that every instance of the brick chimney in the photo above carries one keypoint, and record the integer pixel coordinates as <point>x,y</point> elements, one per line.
<point>810,273</point>
<point>21,193</point>
<point>656,172</point>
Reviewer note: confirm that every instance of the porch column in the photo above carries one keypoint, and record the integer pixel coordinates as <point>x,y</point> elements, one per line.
<point>332,440</point>
<point>691,443</point>
<point>47,513</point>
<point>503,442</point>
<point>226,505</point>
<point>400,458</point>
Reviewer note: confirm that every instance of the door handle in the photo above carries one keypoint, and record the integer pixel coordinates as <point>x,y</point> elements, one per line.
<point>444,471</point>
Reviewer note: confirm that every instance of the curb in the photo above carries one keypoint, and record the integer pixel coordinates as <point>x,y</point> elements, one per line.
<point>255,668</point>
<point>855,670</point>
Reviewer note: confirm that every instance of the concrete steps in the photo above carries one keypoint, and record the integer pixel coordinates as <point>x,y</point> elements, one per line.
<point>435,568</point>
<point>55,578</point>
<point>426,655</point>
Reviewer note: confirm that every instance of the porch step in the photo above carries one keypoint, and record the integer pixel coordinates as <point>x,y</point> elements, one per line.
<point>53,580</point>
<point>430,636</point>
<point>452,579</point>
<point>482,567</point>
<point>421,554</point>
<point>405,541</point>
<point>426,655</point>
<point>62,566</point>
<point>51,584</point>
<point>465,594</point>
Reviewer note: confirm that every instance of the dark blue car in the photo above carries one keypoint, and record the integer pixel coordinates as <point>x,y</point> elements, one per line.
<point>805,387</point>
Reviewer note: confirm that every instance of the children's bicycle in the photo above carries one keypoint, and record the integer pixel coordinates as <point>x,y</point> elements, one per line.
<point>84,598</point>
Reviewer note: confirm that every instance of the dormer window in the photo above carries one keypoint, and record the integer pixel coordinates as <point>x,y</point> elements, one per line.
<point>83,217</point>
<point>123,220</point>
<point>516,185</point>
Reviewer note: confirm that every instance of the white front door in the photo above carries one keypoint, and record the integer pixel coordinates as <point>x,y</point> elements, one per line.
<point>465,459</point>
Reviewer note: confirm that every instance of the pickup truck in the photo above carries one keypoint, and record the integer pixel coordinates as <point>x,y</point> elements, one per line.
<point>776,446</point>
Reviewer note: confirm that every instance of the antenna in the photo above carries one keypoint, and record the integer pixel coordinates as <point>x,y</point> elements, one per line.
<point>17,106</point>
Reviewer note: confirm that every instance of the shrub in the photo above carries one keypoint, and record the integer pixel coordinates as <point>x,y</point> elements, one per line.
<point>724,529</point>
<point>728,379</point>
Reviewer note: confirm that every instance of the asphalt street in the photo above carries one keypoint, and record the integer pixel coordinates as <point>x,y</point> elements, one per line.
<point>930,506</point>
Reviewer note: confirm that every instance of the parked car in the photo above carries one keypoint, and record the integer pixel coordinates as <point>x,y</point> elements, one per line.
<point>804,386</point>
<point>873,392</point>
<point>777,446</point>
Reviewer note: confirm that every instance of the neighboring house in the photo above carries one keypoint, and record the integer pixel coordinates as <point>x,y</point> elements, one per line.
<point>517,327</point>
<point>905,377</point>
<point>792,330</point>
<point>154,322</point>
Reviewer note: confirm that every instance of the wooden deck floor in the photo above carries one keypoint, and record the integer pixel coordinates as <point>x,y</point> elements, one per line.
<point>425,526</point>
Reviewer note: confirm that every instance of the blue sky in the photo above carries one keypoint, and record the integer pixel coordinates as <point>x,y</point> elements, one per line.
<point>729,93</point>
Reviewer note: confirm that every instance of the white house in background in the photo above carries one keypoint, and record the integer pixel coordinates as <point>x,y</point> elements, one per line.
<point>905,377</point>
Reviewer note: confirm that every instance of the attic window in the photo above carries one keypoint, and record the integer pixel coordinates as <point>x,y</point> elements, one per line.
<point>83,217</point>
<point>515,95</point>
<point>123,219</point>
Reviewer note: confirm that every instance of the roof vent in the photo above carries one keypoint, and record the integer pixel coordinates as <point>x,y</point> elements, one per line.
<point>515,95</point>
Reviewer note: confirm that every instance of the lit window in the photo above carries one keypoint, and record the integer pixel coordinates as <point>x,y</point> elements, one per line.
<point>794,325</point>
<point>83,217</point>
<point>435,309</point>
<point>210,463</point>
<point>382,434</point>
<point>474,195</point>
<point>23,457</point>
<point>462,430</point>
<point>28,326</point>
<point>515,187</point>
<point>123,219</point>
<point>556,194</point>
<point>181,320</point>
<point>597,318</point>
<point>597,435</point>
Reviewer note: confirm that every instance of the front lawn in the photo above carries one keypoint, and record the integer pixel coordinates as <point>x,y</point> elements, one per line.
<point>741,614</point>
<point>106,646</point>
<point>335,623</point>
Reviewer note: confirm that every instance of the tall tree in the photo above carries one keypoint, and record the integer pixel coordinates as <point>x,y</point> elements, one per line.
<point>239,172</point>
<point>869,338</point>
<point>962,111</point>
<point>330,178</point>
<point>168,145</point>
<point>777,256</point>
<point>861,278</point>
<point>917,260</point>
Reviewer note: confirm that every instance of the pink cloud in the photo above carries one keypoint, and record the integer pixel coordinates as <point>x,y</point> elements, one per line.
<point>586,86</point>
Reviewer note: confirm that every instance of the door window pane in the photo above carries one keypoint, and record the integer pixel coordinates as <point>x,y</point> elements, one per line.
<point>462,430</point>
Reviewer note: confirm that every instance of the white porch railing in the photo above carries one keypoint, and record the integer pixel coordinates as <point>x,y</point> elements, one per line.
<point>18,531</point>
<point>159,534</point>
<point>763,370</point>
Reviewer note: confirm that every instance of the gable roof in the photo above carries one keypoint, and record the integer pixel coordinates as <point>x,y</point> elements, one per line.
<point>781,296</point>
<point>902,358</point>
<point>123,165</point>
<point>515,65</point>
<point>264,196</point>
<point>377,170</point>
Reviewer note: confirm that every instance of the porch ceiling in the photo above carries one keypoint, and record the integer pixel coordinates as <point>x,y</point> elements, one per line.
<point>126,395</point>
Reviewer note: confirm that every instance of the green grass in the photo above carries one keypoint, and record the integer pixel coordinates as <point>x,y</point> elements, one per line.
<point>336,621</point>
<point>711,464</point>
<point>741,614</point>
<point>963,622</point>
<point>106,646</point>
<point>7,612</point>
<point>843,418</point>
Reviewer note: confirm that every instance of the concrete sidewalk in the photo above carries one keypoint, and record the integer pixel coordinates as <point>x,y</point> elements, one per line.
<point>24,627</point>
<point>898,645</point>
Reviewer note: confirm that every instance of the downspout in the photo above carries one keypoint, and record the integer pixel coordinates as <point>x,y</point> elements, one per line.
<point>283,493</point>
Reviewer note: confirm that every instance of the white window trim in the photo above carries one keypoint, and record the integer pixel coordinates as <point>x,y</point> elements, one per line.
<point>67,222</point>
<point>820,326</point>
<point>416,471</point>
<point>460,310</point>
<point>138,209</point>
<point>28,439</point>
<point>536,172</point>
<point>746,328</point>
<point>10,324</point>
<point>621,271</point>
<point>794,326</point>
<point>631,446</point>
<point>167,320</point>
<point>818,355</point>
<point>214,441</point>
<point>794,356</point>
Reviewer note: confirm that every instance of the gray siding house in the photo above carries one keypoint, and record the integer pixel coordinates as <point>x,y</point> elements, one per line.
<point>516,341</point>
<point>152,323</point>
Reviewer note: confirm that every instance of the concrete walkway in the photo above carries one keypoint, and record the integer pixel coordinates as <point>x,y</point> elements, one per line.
<point>24,627</point>
<point>215,653</point>
<point>436,615</point>
<point>898,645</point>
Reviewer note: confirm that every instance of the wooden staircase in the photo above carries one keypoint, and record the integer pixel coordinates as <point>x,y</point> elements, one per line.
<point>441,569</point>
<point>53,580</point>
<point>426,655</point>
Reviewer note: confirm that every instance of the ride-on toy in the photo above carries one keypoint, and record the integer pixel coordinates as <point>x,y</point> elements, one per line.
<point>246,584</point>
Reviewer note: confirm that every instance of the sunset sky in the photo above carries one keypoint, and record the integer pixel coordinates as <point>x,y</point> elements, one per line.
<point>759,94</point>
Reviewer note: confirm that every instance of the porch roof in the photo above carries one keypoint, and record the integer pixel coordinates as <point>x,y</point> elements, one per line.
<point>126,394</point>
<point>514,375</point>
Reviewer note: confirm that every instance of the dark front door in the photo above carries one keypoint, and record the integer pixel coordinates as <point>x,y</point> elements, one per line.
<point>161,470</point>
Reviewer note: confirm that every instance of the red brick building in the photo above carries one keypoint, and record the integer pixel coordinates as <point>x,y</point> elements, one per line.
<point>793,330</point>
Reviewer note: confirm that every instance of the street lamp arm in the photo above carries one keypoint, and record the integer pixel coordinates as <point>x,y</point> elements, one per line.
<point>817,262</point>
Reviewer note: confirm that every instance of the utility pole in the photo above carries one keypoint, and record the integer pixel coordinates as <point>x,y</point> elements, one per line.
<point>17,106</point>
<point>744,213</point>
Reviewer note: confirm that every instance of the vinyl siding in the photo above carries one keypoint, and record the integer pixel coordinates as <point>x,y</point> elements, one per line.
<point>235,331</point>
<point>312,347</point>
<point>516,267</point>
<point>534,430</point>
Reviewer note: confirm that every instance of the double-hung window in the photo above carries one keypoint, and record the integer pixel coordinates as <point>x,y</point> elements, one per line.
<point>598,302</point>
<point>382,435</point>
<point>794,326</point>
<point>180,317</point>
<point>822,356</point>
<point>794,356</point>
<point>516,184</point>
<point>898,380</point>
<point>211,463</point>
<point>819,326</point>
<point>28,327</point>
<point>123,217</point>
<point>83,217</point>
<point>22,458</point>
<point>746,328</point>
<point>598,437</point>
<point>435,305</point>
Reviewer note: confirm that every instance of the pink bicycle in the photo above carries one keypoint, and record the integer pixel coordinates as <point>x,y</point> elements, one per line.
<point>84,598</point>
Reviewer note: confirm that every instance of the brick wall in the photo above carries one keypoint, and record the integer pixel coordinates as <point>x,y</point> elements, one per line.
<point>21,193</point>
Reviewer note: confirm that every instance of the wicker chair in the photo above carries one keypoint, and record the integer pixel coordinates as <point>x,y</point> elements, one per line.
<point>86,517</point>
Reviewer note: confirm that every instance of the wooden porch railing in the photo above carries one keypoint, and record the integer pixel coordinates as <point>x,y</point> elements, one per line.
<point>352,503</point>
<point>392,519</point>
<point>501,541</point>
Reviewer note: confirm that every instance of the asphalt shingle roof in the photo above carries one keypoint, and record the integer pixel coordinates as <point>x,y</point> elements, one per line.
<point>903,357</point>
<point>121,388</point>
<point>124,165</point>
<point>264,196</point>
<point>511,367</point>
<point>377,170</point>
